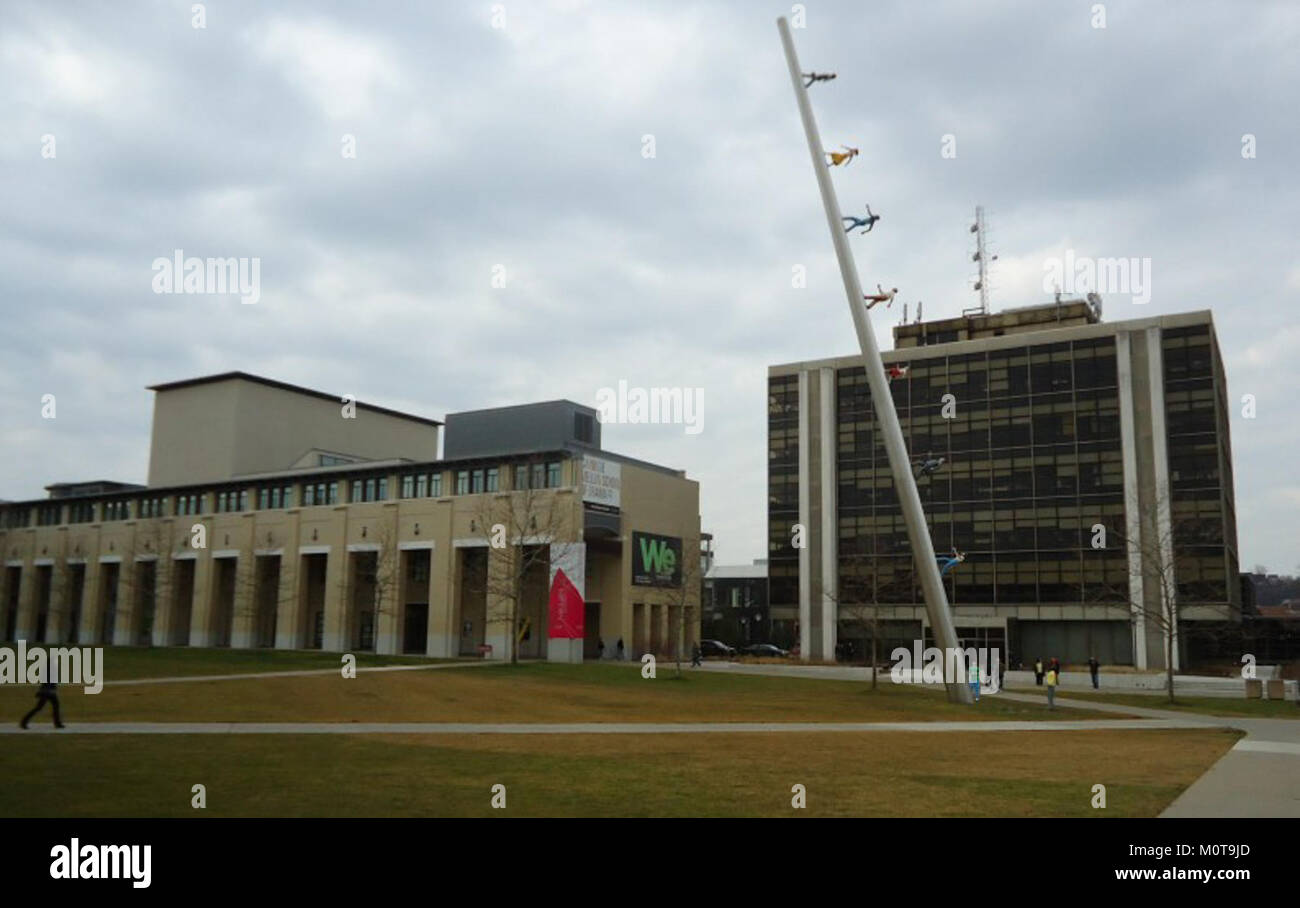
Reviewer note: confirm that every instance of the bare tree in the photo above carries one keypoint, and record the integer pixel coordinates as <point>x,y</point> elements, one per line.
<point>1165,550</point>
<point>684,600</point>
<point>855,600</point>
<point>524,529</point>
<point>375,582</point>
<point>146,591</point>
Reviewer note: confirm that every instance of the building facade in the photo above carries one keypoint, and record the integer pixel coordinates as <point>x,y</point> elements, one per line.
<point>338,527</point>
<point>1087,477</point>
<point>735,609</point>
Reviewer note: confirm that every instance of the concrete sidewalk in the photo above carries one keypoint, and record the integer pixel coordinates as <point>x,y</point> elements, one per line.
<point>584,728</point>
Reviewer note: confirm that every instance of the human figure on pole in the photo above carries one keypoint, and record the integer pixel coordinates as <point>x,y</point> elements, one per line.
<point>947,563</point>
<point>883,296</point>
<point>842,157</point>
<point>816,77</point>
<point>855,222</point>
<point>928,466</point>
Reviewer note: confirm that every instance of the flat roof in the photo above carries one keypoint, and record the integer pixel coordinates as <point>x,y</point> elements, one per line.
<point>400,466</point>
<point>285,386</point>
<point>1005,341</point>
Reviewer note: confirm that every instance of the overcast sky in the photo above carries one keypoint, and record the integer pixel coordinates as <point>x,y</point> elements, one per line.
<point>523,146</point>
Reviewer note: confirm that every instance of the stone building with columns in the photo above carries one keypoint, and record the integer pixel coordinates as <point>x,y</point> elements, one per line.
<point>278,516</point>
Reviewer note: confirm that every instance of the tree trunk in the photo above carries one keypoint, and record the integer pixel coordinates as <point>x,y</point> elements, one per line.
<point>875,637</point>
<point>1169,663</point>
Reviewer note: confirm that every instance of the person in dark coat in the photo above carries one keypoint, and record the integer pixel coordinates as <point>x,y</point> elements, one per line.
<point>1038,671</point>
<point>1093,668</point>
<point>48,692</point>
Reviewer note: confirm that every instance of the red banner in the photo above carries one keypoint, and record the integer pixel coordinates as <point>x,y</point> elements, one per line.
<point>567,610</point>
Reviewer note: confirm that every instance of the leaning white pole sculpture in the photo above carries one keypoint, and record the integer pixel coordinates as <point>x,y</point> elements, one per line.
<point>936,600</point>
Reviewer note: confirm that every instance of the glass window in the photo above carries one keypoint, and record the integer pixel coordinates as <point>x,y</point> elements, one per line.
<point>462,482</point>
<point>382,489</point>
<point>553,475</point>
<point>408,486</point>
<point>521,477</point>
<point>539,476</point>
<point>492,479</point>
<point>435,485</point>
<point>476,484</point>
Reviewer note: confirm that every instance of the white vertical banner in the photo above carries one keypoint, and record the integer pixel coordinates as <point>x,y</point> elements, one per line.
<point>570,557</point>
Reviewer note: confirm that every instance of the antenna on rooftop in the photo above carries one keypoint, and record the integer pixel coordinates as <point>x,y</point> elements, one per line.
<point>982,258</point>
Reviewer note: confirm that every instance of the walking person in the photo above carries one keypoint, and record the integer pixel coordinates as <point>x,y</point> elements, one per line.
<point>48,692</point>
<point>1038,671</point>
<point>1094,667</point>
<point>1052,678</point>
<point>973,673</point>
<point>600,649</point>
<point>619,651</point>
<point>1056,667</point>
<point>696,656</point>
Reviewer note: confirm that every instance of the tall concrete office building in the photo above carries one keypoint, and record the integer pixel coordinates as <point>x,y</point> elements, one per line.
<point>279,516</point>
<point>1087,478</point>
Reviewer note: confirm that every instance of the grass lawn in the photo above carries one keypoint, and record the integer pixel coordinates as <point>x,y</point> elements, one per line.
<point>123,663</point>
<point>1210,706</point>
<point>534,692</point>
<point>888,774</point>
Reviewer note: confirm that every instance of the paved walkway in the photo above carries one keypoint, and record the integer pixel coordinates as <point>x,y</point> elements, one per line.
<point>579,728</point>
<point>298,673</point>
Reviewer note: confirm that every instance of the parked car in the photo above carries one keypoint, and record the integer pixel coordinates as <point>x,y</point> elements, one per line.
<point>716,648</point>
<point>766,649</point>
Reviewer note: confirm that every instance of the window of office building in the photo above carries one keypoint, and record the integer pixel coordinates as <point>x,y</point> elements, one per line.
<point>188,504</point>
<point>152,507</point>
<point>49,515</point>
<point>476,481</point>
<point>117,510</point>
<point>491,479</point>
<point>81,512</point>
<point>462,482</point>
<point>553,475</point>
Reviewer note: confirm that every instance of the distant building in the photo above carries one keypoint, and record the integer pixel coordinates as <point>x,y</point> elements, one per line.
<point>736,607</point>
<point>1056,424</point>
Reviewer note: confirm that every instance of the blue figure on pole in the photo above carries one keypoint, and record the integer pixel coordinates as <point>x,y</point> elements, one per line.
<point>929,466</point>
<point>948,562</point>
<point>855,222</point>
<point>816,77</point>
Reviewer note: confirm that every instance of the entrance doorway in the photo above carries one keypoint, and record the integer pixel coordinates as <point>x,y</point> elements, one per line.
<point>591,634</point>
<point>415,629</point>
<point>76,587</point>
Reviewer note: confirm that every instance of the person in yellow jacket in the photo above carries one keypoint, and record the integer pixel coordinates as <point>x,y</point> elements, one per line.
<point>1051,688</point>
<point>842,157</point>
